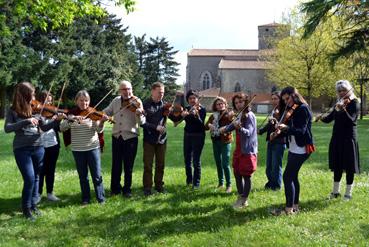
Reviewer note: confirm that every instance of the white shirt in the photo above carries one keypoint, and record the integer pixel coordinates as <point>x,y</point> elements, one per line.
<point>294,148</point>
<point>48,138</point>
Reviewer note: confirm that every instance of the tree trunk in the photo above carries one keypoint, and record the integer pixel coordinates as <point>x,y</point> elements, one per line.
<point>361,100</point>
<point>2,101</point>
<point>310,97</point>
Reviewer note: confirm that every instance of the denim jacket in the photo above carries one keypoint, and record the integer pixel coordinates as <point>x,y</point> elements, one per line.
<point>248,132</point>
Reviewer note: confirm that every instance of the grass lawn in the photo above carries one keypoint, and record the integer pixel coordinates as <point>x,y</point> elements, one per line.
<point>183,217</point>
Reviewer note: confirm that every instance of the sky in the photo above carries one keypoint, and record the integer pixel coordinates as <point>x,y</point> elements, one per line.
<point>211,24</point>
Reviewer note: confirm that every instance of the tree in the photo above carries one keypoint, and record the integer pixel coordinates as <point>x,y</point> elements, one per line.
<point>50,13</point>
<point>92,55</point>
<point>156,63</point>
<point>353,33</point>
<point>359,68</point>
<point>21,17</point>
<point>304,63</point>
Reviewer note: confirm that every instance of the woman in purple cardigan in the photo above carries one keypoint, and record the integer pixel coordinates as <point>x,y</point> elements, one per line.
<point>245,154</point>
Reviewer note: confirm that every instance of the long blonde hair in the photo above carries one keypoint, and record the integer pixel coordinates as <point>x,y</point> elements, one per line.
<point>23,95</point>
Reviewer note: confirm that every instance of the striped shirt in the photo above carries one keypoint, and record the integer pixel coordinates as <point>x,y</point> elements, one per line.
<point>83,135</point>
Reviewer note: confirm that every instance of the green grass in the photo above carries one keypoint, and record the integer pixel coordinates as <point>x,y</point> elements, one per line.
<point>183,217</point>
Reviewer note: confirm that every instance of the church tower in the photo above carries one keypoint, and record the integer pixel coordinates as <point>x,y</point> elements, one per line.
<point>269,33</point>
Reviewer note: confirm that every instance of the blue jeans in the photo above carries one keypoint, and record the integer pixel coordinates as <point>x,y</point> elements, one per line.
<point>29,161</point>
<point>90,159</point>
<point>274,159</point>
<point>222,153</point>
<point>192,148</point>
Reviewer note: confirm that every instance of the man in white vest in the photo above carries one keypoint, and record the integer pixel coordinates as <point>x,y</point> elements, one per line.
<point>127,112</point>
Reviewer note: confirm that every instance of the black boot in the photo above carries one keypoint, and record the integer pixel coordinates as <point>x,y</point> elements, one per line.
<point>27,213</point>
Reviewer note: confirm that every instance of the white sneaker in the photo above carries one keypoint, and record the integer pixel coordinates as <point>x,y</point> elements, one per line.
<point>240,203</point>
<point>38,199</point>
<point>237,203</point>
<point>52,197</point>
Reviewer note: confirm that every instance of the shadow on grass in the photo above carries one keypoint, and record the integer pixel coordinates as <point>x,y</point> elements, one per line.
<point>177,213</point>
<point>365,230</point>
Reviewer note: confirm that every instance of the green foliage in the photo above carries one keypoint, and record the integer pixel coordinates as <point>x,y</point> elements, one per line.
<point>353,33</point>
<point>156,62</point>
<point>305,63</point>
<point>53,14</point>
<point>93,54</point>
<point>184,217</point>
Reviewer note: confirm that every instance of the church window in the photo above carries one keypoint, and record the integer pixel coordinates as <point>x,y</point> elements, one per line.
<point>237,88</point>
<point>206,80</point>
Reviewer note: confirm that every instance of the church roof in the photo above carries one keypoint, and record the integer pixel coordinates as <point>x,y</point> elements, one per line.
<point>261,98</point>
<point>241,64</point>
<point>222,52</point>
<point>274,24</point>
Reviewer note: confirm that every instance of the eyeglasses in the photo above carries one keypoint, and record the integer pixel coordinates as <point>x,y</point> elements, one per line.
<point>125,89</point>
<point>220,103</point>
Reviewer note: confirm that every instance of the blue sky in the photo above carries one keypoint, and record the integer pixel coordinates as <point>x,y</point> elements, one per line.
<point>188,24</point>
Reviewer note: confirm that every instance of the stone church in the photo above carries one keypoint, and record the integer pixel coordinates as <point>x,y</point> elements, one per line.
<point>226,71</point>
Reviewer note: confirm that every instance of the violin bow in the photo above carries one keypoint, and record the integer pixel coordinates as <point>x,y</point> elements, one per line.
<point>331,109</point>
<point>244,108</point>
<point>61,94</point>
<point>269,114</point>
<point>282,117</point>
<point>48,93</point>
<point>94,108</point>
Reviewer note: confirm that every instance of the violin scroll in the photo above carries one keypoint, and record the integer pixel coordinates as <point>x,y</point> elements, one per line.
<point>281,125</point>
<point>46,110</point>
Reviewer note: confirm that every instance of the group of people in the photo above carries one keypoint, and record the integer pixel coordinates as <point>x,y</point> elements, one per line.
<point>36,142</point>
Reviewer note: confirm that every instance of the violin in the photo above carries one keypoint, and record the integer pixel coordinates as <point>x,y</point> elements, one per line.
<point>342,104</point>
<point>172,109</point>
<point>194,110</point>
<point>46,110</point>
<point>177,110</point>
<point>284,120</point>
<point>339,106</point>
<point>242,114</point>
<point>132,104</point>
<point>94,115</point>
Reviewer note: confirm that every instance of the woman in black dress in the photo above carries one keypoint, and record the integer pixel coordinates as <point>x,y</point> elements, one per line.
<point>343,148</point>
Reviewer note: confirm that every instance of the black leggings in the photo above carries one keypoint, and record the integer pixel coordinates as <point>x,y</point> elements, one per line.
<point>338,176</point>
<point>290,177</point>
<point>47,172</point>
<point>243,184</point>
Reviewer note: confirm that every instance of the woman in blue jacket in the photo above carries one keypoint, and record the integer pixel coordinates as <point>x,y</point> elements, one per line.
<point>297,126</point>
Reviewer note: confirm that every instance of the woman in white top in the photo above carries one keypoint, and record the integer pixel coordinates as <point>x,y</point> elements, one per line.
<point>50,141</point>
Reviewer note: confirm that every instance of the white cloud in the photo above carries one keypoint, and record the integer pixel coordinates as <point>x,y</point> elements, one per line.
<point>203,23</point>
